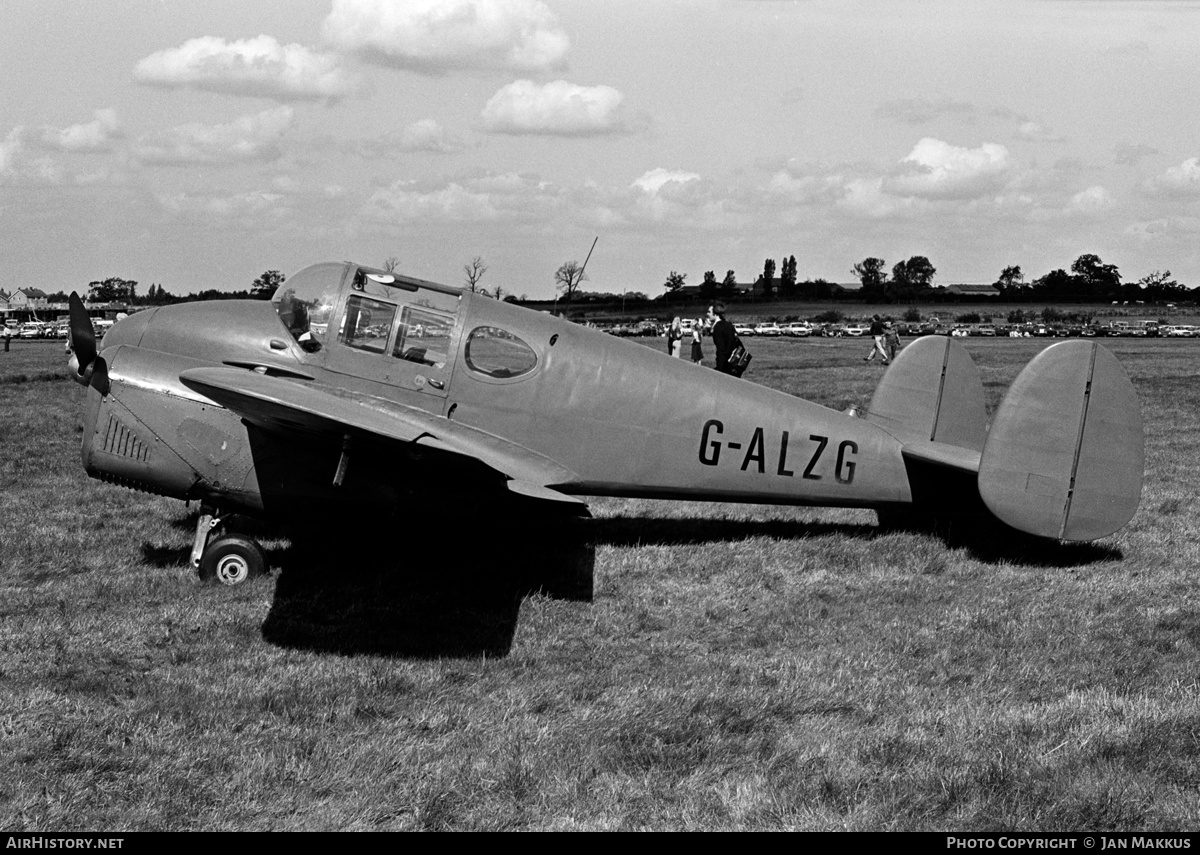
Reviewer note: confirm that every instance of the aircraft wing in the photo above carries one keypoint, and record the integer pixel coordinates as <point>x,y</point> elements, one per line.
<point>281,405</point>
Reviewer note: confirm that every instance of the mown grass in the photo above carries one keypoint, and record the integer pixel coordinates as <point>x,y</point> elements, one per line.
<point>740,667</point>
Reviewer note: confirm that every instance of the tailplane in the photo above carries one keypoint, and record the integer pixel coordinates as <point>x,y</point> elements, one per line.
<point>1063,457</point>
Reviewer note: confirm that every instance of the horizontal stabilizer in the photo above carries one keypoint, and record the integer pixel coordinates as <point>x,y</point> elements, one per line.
<point>1065,453</point>
<point>932,393</point>
<point>942,454</point>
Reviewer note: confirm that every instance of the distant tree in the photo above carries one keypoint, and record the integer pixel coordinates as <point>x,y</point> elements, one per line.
<point>1160,287</point>
<point>1011,279</point>
<point>473,270</point>
<point>729,286</point>
<point>873,276</point>
<point>710,288</point>
<point>1055,285</point>
<point>568,278</point>
<point>674,284</point>
<point>1098,278</point>
<point>390,264</point>
<point>264,287</point>
<point>909,278</point>
<point>500,293</point>
<point>787,277</point>
<point>766,279</point>
<point>912,314</point>
<point>111,290</point>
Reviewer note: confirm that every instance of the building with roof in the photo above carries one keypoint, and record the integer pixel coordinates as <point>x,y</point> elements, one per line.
<point>27,299</point>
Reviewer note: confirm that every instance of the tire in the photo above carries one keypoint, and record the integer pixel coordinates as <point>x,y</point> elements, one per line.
<point>232,560</point>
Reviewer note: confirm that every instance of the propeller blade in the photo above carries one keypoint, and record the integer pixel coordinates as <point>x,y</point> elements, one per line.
<point>99,380</point>
<point>83,337</point>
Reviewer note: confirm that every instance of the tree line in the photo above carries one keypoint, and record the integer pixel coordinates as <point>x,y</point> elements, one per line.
<point>910,280</point>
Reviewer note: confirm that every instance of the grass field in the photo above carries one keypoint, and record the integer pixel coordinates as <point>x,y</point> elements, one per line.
<point>740,667</point>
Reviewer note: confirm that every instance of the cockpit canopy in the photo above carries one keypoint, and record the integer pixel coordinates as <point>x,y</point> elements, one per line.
<point>306,301</point>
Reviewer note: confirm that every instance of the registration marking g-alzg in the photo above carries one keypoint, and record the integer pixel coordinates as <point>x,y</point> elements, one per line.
<point>755,458</point>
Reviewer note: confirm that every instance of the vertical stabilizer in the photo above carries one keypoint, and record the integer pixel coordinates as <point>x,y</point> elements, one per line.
<point>1065,453</point>
<point>932,393</point>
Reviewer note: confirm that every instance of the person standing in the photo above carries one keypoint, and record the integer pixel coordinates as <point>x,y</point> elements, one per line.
<point>724,337</point>
<point>891,340</point>
<point>697,336</point>
<point>675,338</point>
<point>877,335</point>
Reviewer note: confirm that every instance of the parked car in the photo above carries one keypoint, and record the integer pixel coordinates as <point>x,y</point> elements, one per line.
<point>800,329</point>
<point>743,329</point>
<point>768,329</point>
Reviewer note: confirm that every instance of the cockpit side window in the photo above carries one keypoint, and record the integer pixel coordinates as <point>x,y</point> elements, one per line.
<point>498,353</point>
<point>366,324</point>
<point>424,336</point>
<point>305,302</point>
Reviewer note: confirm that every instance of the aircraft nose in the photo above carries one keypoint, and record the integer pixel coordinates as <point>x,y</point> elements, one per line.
<point>129,330</point>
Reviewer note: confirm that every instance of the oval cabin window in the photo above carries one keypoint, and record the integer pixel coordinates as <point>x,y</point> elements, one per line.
<point>499,353</point>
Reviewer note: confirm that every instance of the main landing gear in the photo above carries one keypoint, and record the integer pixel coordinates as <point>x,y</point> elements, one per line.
<point>231,559</point>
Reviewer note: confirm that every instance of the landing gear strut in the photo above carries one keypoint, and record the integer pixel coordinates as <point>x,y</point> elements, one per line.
<point>230,559</point>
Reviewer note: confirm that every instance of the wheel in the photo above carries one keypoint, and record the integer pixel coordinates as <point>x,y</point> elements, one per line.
<point>232,560</point>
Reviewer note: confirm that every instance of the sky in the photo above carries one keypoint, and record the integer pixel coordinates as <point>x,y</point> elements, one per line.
<point>196,145</point>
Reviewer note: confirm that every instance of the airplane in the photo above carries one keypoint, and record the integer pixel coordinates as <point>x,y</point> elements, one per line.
<point>359,387</point>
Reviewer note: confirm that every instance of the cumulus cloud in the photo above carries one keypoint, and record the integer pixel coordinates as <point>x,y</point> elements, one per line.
<point>94,136</point>
<point>557,109</point>
<point>1181,180</point>
<point>938,170</point>
<point>407,201</point>
<point>866,197</point>
<point>426,135</point>
<point>918,111</point>
<point>250,138</point>
<point>10,148</point>
<point>806,183</point>
<point>653,181</point>
<point>256,204</point>
<point>436,36</point>
<point>1093,200</point>
<point>682,198</point>
<point>259,67</point>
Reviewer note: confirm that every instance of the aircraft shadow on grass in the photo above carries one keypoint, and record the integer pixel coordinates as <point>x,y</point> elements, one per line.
<point>443,595</point>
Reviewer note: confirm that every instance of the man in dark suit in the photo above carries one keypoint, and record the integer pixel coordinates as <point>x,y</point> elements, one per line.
<point>724,338</point>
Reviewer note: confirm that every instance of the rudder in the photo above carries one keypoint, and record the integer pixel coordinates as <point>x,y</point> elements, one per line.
<point>932,393</point>
<point>1065,453</point>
